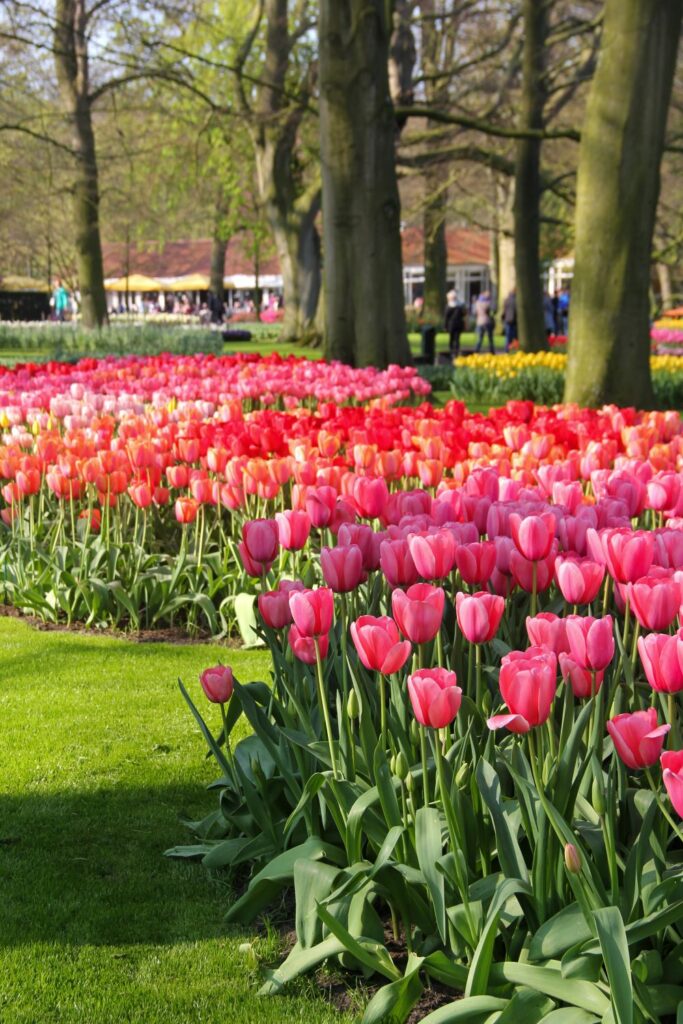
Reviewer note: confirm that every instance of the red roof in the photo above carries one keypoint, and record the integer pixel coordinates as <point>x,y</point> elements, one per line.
<point>177,259</point>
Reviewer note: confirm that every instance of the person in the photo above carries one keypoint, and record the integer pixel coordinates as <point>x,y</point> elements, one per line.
<point>60,298</point>
<point>510,319</point>
<point>548,314</point>
<point>564,309</point>
<point>483,316</point>
<point>454,322</point>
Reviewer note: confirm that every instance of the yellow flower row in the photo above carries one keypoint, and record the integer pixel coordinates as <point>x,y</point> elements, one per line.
<point>509,366</point>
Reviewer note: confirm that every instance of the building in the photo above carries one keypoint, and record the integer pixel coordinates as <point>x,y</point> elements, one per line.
<point>469,262</point>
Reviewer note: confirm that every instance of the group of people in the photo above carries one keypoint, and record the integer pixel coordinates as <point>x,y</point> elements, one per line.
<point>555,312</point>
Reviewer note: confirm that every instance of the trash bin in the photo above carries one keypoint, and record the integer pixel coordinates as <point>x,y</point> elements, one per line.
<point>428,344</point>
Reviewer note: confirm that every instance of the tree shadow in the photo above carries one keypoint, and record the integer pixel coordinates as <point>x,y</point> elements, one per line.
<point>87,867</point>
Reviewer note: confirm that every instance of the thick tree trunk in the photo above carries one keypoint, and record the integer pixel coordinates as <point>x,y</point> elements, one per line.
<point>618,186</point>
<point>219,248</point>
<point>504,240</point>
<point>435,250</point>
<point>365,317</point>
<point>71,62</point>
<point>298,249</point>
<point>663,271</point>
<point>527,204</point>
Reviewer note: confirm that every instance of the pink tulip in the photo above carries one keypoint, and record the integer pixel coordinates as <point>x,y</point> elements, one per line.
<point>312,611</point>
<point>418,611</point>
<point>672,776</point>
<point>435,696</point>
<point>476,562</point>
<point>655,601</point>
<point>371,496</point>
<point>342,568</point>
<point>396,562</point>
<point>293,528</point>
<point>580,679</point>
<point>661,656</point>
<point>274,608</point>
<point>261,541</point>
<point>523,571</point>
<point>591,641</point>
<point>365,538</point>
<point>479,615</point>
<point>320,505</point>
<point>637,738</point>
<point>579,579</point>
<point>549,631</point>
<point>217,683</point>
<point>433,554</point>
<point>304,646</point>
<point>528,681</point>
<point>662,491</point>
<point>628,553</point>
<point>533,535</point>
<point>378,644</point>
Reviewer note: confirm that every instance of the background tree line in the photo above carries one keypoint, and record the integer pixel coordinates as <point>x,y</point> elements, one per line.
<point>316,128</point>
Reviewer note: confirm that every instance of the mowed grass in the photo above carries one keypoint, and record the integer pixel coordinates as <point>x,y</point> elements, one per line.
<point>98,758</point>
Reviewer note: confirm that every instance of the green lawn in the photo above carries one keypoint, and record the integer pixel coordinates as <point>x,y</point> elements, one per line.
<point>99,756</point>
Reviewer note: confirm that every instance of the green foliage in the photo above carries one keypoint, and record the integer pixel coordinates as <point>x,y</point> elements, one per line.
<point>55,341</point>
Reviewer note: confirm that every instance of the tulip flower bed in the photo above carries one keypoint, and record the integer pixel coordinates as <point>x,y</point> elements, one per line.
<point>469,765</point>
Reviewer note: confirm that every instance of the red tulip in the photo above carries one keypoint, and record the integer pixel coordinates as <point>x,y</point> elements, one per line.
<point>476,562</point>
<point>294,528</point>
<point>533,535</point>
<point>435,696</point>
<point>661,656</point>
<point>655,601</point>
<point>274,608</point>
<point>591,641</point>
<point>672,776</point>
<point>371,496</point>
<point>523,571</point>
<point>217,683</point>
<point>177,476</point>
<point>312,611</point>
<point>304,646</point>
<point>418,611</point>
<point>528,681</point>
<point>579,579</point>
<point>378,644</point>
<point>479,615</point>
<point>580,679</point>
<point>396,562</point>
<point>549,631</point>
<point>433,554</point>
<point>261,540</point>
<point>342,568</point>
<point>637,738</point>
<point>201,489</point>
<point>186,510</point>
<point>140,494</point>
<point>28,481</point>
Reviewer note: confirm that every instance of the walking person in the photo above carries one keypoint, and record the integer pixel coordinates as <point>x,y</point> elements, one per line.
<point>510,319</point>
<point>454,322</point>
<point>483,315</point>
<point>60,300</point>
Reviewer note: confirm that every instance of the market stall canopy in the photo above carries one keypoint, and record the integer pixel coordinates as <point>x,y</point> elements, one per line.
<point>134,283</point>
<point>189,283</point>
<point>17,283</point>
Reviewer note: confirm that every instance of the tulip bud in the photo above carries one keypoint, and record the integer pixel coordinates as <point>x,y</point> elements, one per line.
<point>414,731</point>
<point>462,776</point>
<point>392,764</point>
<point>410,783</point>
<point>402,767</point>
<point>572,859</point>
<point>598,797</point>
<point>352,705</point>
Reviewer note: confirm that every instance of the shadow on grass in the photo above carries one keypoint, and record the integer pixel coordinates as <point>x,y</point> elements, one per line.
<point>88,868</point>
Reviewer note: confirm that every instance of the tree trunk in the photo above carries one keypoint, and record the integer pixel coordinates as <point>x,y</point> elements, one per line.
<point>504,241</point>
<point>435,249</point>
<point>71,62</point>
<point>663,271</point>
<point>364,316</point>
<point>219,248</point>
<point>527,206</point>
<point>617,190</point>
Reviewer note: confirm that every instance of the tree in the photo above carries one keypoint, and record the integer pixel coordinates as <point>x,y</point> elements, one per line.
<point>364,312</point>
<point>622,141</point>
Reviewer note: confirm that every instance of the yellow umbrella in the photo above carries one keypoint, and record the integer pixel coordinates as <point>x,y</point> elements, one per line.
<point>189,283</point>
<point>134,283</point>
<point>17,283</point>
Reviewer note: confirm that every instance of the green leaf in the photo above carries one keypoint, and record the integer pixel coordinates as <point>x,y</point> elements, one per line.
<point>478,977</point>
<point>246,620</point>
<point>206,732</point>
<point>527,1006</point>
<point>474,1009</point>
<point>509,853</point>
<point>428,845</point>
<point>570,1015</point>
<point>445,970</point>
<point>312,787</point>
<point>300,961</point>
<point>367,952</point>
<point>313,881</point>
<point>583,994</point>
<point>558,934</point>
<point>393,1002</point>
<point>612,938</point>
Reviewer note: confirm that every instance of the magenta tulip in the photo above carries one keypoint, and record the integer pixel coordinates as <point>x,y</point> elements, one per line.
<point>579,579</point>
<point>312,611</point>
<point>533,535</point>
<point>476,562</point>
<point>304,646</point>
<point>396,562</point>
<point>528,681</point>
<point>549,631</point>
<point>379,645</point>
<point>342,568</point>
<point>661,656</point>
<point>433,554</point>
<point>435,696</point>
<point>479,615</point>
<point>672,776</point>
<point>655,601</point>
<point>217,683</point>
<point>418,611</point>
<point>583,681</point>
<point>591,641</point>
<point>637,738</point>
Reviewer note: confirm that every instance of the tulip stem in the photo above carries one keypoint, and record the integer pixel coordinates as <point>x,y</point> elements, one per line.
<point>423,753</point>
<point>454,830</point>
<point>673,719</point>
<point>323,705</point>
<point>627,619</point>
<point>382,710</point>
<point>480,681</point>
<point>662,806</point>
<point>228,749</point>
<point>534,588</point>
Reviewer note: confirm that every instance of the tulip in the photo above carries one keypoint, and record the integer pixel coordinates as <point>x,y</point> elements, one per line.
<point>628,553</point>
<point>672,776</point>
<point>479,615</point>
<point>370,496</point>
<point>378,644</point>
<point>365,538</point>
<point>528,681</point>
<point>523,571</point>
<point>433,554</point>
<point>260,538</point>
<point>435,696</point>
<point>342,568</point>
<point>418,611</point>
<point>476,562</point>
<point>661,656</point>
<point>293,528</point>
<point>533,535</point>
<point>591,641</point>
<point>320,505</point>
<point>186,510</point>
<point>396,562</point>
<point>655,601</point>
<point>274,608</point>
<point>304,646</point>
<point>583,681</point>
<point>549,631</point>
<point>637,738</point>
<point>217,683</point>
<point>140,494</point>
<point>312,611</point>
<point>579,579</point>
